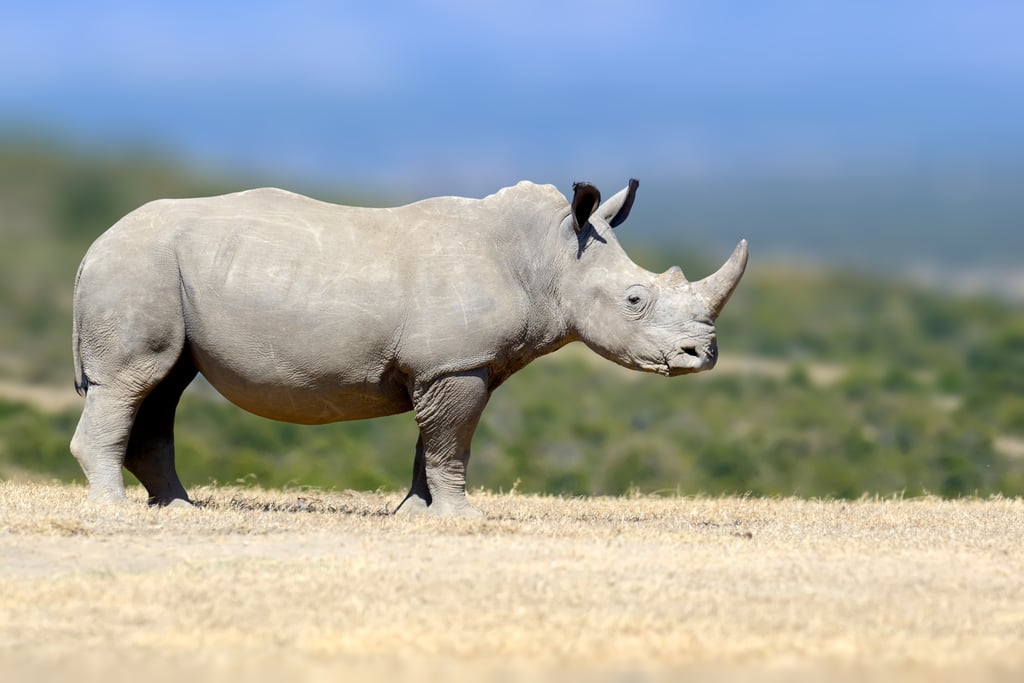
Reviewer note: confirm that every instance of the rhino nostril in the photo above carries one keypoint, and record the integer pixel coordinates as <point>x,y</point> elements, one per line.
<point>690,351</point>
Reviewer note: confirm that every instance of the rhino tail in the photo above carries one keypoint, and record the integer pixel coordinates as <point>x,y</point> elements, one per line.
<point>81,381</point>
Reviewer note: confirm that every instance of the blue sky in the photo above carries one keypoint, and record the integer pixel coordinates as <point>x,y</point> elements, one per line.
<point>463,97</point>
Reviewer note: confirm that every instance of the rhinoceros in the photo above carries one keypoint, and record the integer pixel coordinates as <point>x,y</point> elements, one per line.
<point>310,312</point>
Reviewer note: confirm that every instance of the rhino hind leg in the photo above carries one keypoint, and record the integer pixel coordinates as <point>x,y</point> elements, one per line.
<point>448,411</point>
<point>129,338</point>
<point>150,451</point>
<point>100,439</point>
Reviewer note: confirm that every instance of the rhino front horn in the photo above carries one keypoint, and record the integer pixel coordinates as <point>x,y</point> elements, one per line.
<point>719,286</point>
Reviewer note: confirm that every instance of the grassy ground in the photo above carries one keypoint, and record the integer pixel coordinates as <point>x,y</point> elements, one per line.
<point>269,584</point>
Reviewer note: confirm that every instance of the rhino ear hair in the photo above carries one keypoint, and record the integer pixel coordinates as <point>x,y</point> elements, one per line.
<point>616,210</point>
<point>585,200</point>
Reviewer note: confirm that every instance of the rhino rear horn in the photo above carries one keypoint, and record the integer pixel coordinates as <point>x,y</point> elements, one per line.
<point>585,200</point>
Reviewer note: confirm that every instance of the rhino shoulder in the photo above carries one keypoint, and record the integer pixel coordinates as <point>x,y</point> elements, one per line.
<point>526,190</point>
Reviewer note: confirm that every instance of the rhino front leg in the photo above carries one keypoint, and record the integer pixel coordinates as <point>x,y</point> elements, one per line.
<point>419,498</point>
<point>447,411</point>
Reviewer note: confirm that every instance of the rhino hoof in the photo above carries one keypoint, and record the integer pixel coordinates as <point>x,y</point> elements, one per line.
<point>412,506</point>
<point>416,506</point>
<point>179,503</point>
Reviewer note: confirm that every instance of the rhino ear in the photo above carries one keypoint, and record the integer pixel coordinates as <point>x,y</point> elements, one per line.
<point>585,200</point>
<point>616,209</point>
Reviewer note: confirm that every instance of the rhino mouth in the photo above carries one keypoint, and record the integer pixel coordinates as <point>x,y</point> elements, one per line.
<point>688,359</point>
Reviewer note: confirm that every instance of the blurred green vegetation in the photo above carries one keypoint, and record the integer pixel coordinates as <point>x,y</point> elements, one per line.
<point>830,384</point>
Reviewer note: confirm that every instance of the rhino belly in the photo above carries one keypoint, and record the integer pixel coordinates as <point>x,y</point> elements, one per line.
<point>299,376</point>
<point>306,400</point>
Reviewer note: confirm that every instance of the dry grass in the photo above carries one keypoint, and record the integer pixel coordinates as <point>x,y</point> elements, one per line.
<point>275,584</point>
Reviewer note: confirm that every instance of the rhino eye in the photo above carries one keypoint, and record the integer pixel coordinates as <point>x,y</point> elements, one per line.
<point>636,300</point>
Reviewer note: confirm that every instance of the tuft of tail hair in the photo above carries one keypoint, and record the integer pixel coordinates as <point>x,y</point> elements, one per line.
<point>81,381</point>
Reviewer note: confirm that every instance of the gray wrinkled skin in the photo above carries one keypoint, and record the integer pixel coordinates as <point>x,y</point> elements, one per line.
<point>309,312</point>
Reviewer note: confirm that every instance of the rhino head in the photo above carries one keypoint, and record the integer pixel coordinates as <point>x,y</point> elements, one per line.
<point>659,323</point>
